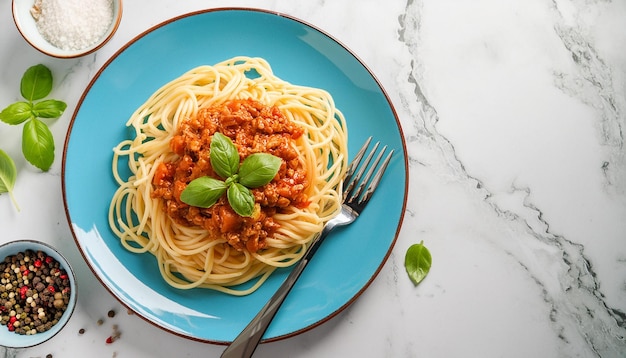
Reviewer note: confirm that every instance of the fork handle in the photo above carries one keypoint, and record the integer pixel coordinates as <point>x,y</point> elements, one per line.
<point>246,342</point>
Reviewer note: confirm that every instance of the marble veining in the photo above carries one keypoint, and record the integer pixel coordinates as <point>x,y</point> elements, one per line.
<point>576,301</point>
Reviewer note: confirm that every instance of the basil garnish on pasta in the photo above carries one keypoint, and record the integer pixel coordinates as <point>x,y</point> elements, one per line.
<point>224,156</point>
<point>241,199</point>
<point>256,170</point>
<point>203,192</point>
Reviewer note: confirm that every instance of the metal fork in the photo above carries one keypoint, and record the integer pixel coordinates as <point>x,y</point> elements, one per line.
<point>359,186</point>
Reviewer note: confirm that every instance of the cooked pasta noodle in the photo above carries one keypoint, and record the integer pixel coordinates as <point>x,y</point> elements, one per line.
<point>189,256</point>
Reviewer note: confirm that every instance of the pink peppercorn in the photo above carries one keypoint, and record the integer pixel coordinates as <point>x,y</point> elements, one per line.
<point>23,291</point>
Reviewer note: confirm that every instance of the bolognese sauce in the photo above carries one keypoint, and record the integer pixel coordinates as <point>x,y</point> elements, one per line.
<point>254,128</point>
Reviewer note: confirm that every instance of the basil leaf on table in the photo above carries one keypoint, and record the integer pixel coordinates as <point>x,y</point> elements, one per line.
<point>17,113</point>
<point>241,199</point>
<point>258,169</point>
<point>38,144</point>
<point>8,175</point>
<point>224,156</point>
<point>203,192</point>
<point>50,108</point>
<point>37,140</point>
<point>417,262</point>
<point>36,83</point>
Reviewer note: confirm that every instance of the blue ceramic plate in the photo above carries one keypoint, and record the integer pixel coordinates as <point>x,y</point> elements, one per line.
<point>299,53</point>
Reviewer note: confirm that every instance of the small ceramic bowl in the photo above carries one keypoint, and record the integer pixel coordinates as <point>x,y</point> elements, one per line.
<point>15,340</point>
<point>27,26</point>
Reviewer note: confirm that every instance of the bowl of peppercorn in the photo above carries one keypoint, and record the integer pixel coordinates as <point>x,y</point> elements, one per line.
<point>37,293</point>
<point>67,29</point>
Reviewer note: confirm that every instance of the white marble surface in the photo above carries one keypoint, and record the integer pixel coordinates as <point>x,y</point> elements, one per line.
<point>514,113</point>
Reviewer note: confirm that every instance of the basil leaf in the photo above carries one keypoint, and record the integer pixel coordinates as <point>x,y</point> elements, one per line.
<point>38,144</point>
<point>17,113</point>
<point>36,82</point>
<point>224,156</point>
<point>259,169</point>
<point>417,262</point>
<point>8,174</point>
<point>241,199</point>
<point>203,192</point>
<point>50,108</point>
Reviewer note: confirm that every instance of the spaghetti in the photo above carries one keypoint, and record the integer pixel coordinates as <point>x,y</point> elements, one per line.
<point>191,256</point>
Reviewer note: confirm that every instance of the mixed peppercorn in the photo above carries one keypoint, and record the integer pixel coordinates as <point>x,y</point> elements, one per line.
<point>34,292</point>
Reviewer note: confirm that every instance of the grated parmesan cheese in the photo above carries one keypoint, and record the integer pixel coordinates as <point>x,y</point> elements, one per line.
<point>72,24</point>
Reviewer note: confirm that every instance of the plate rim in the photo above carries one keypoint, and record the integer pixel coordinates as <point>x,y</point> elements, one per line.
<point>171,20</point>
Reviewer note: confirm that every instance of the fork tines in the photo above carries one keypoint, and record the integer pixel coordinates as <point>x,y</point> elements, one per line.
<point>355,190</point>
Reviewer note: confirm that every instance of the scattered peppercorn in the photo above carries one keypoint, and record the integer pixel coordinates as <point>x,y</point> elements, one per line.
<point>81,331</point>
<point>114,336</point>
<point>48,355</point>
<point>34,292</point>
<point>100,322</point>
<point>111,314</point>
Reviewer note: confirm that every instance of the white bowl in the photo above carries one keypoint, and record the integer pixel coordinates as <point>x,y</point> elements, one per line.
<point>15,340</point>
<point>27,27</point>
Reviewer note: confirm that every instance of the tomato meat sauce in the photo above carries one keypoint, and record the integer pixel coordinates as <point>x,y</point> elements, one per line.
<point>254,128</point>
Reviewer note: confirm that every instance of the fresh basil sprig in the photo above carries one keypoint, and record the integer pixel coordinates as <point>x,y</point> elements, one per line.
<point>8,175</point>
<point>37,139</point>
<point>256,170</point>
<point>417,262</point>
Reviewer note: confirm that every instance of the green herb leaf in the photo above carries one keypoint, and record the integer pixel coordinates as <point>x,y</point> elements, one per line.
<point>241,199</point>
<point>50,108</point>
<point>258,169</point>
<point>417,262</point>
<point>38,144</point>
<point>17,113</point>
<point>36,83</point>
<point>255,171</point>
<point>203,192</point>
<point>224,156</point>
<point>8,174</point>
